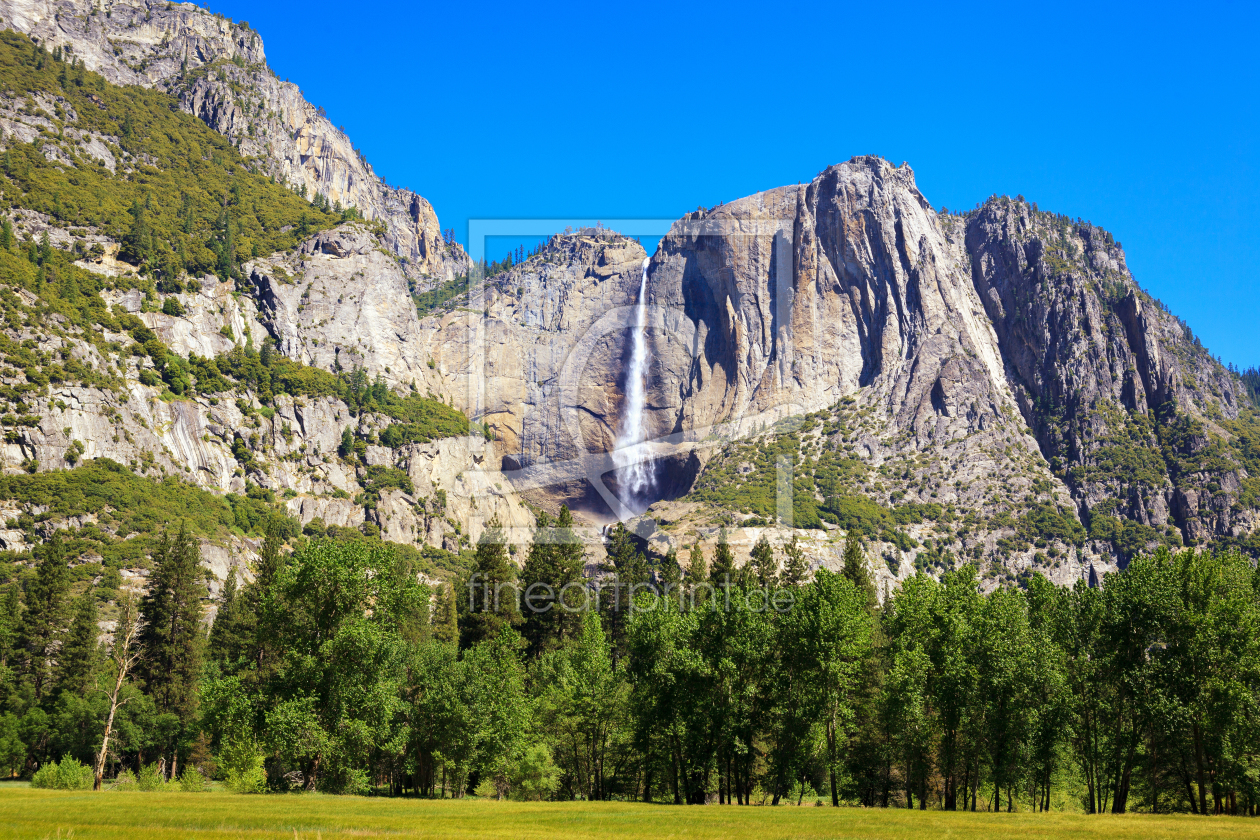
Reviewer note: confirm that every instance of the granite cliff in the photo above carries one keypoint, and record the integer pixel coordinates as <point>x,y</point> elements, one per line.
<point>1000,368</point>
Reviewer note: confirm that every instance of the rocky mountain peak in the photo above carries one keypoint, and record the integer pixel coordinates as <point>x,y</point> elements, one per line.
<point>218,70</point>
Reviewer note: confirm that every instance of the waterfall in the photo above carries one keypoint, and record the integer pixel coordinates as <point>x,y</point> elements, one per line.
<point>630,454</point>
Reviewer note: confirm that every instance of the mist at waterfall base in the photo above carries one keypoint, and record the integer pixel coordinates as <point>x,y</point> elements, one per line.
<point>635,471</point>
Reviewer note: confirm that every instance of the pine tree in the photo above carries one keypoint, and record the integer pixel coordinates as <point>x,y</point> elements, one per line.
<point>856,569</point>
<point>445,619</point>
<point>260,597</point>
<point>10,625</point>
<point>216,647</point>
<point>671,574</point>
<point>723,569</point>
<point>493,597</point>
<point>762,566</point>
<point>554,562</point>
<point>537,603</point>
<point>226,240</point>
<point>570,556</point>
<point>795,570</point>
<point>137,245</point>
<point>697,567</point>
<point>79,656</point>
<point>172,635</point>
<point>232,634</point>
<point>624,557</point>
<point>630,569</point>
<point>269,560</point>
<point>43,621</point>
<point>6,232</point>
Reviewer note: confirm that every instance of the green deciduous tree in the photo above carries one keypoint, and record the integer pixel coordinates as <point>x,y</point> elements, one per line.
<point>828,638</point>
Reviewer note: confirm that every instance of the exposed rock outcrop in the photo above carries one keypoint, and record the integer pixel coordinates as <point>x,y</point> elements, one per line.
<point>341,302</point>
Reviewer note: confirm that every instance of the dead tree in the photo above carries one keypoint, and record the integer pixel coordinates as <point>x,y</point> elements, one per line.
<point>124,655</point>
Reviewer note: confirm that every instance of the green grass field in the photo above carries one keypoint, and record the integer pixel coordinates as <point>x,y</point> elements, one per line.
<point>28,813</point>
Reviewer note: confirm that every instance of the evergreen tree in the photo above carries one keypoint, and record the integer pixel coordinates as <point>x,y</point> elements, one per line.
<point>537,603</point>
<point>554,562</point>
<point>630,569</point>
<point>44,619</point>
<point>260,597</point>
<point>225,242</point>
<point>624,557</point>
<point>671,574</point>
<point>6,233</point>
<point>795,569</point>
<point>216,647</point>
<point>137,245</point>
<point>697,567</point>
<point>269,562</point>
<point>233,631</point>
<point>10,625</point>
<point>79,655</point>
<point>856,568</point>
<point>762,566</point>
<point>493,599</point>
<point>172,634</point>
<point>445,616</point>
<point>723,569</point>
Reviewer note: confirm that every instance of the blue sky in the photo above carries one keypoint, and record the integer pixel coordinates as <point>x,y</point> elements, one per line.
<point>1143,119</point>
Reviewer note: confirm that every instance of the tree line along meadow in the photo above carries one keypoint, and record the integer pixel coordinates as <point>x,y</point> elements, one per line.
<point>337,668</point>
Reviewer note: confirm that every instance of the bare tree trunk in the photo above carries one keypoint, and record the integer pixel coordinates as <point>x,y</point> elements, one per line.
<point>124,657</point>
<point>109,728</point>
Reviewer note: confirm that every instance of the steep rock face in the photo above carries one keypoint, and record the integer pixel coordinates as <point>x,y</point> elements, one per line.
<point>540,357</point>
<point>214,318</point>
<point>802,295</point>
<point>340,302</point>
<point>1123,401</point>
<point>1002,362</point>
<point>219,72</point>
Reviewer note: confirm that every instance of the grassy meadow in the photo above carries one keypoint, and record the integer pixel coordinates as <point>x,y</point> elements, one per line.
<point>29,813</point>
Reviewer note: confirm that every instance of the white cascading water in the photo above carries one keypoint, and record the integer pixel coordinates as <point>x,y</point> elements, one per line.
<point>631,455</point>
